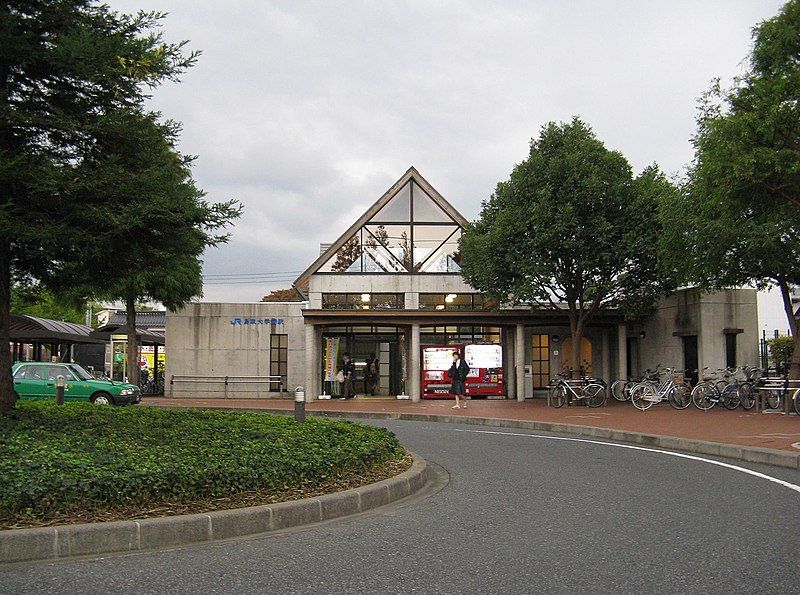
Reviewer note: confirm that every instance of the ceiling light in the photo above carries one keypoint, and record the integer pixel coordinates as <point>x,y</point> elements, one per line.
<point>450,297</point>
<point>364,297</point>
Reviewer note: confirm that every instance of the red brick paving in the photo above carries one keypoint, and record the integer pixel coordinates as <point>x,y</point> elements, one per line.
<point>766,430</point>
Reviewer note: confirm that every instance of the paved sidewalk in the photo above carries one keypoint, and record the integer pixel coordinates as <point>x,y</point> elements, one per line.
<point>743,428</point>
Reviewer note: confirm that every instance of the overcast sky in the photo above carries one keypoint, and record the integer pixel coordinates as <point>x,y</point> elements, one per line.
<point>308,111</point>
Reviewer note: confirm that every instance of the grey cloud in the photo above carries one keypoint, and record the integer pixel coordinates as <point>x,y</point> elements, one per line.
<point>308,111</point>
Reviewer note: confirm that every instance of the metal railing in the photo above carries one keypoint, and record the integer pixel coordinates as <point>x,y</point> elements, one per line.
<point>228,382</point>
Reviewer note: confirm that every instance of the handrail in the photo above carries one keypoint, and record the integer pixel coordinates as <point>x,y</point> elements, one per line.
<point>226,381</point>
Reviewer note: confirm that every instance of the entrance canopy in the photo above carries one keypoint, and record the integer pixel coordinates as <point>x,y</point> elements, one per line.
<point>32,329</point>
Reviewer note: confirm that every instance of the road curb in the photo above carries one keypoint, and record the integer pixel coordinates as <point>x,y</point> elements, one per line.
<point>49,543</point>
<point>750,454</point>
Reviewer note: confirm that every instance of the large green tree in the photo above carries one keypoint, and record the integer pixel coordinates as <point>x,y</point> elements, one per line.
<point>34,300</point>
<point>738,221</point>
<point>63,65</point>
<point>572,229</point>
<point>157,221</point>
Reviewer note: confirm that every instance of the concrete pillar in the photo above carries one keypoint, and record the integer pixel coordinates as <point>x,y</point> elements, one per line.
<point>510,363</point>
<point>605,357</point>
<point>519,360</point>
<point>313,362</point>
<point>414,371</point>
<point>622,352</point>
<point>411,300</point>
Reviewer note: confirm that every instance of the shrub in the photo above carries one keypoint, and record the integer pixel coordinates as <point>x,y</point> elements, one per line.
<point>781,349</point>
<point>78,456</point>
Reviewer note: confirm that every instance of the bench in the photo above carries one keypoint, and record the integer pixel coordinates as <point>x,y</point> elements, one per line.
<point>777,385</point>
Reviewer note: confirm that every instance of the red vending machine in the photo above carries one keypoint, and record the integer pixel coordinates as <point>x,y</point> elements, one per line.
<point>485,378</point>
<point>436,361</point>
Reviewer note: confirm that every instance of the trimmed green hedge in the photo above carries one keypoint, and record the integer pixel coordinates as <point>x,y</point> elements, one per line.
<point>56,459</point>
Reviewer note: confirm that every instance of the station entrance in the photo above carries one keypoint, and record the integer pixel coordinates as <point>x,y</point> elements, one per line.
<point>378,353</point>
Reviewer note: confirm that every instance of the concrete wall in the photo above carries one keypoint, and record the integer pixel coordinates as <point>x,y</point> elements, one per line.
<point>202,341</point>
<point>707,315</point>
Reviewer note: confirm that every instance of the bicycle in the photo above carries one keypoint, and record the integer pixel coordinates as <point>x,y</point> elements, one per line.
<point>592,393</point>
<point>707,393</point>
<point>621,389</point>
<point>647,393</point>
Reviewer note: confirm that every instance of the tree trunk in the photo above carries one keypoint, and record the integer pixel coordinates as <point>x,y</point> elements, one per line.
<point>794,364</point>
<point>576,330</point>
<point>133,342</point>
<point>7,395</point>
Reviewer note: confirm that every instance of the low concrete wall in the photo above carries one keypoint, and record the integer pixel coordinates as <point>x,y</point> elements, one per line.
<point>48,543</point>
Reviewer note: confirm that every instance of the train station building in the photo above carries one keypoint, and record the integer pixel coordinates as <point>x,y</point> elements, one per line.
<point>389,291</point>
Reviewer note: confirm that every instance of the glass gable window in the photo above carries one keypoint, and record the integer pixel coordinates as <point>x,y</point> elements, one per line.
<point>410,234</point>
<point>363,301</point>
<point>425,209</point>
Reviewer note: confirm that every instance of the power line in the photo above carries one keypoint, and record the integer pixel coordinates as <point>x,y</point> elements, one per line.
<point>256,282</point>
<point>234,275</point>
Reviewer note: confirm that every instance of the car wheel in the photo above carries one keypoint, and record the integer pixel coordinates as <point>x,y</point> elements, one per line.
<point>102,399</point>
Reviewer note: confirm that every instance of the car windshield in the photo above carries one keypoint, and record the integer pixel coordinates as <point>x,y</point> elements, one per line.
<point>80,372</point>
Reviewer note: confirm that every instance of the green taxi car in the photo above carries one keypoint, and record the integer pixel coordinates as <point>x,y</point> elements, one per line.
<point>37,380</point>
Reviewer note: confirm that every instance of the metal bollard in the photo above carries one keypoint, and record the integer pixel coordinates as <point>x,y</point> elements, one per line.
<point>299,404</point>
<point>59,390</point>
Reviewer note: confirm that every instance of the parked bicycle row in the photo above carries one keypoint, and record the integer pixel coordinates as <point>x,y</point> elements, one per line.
<point>730,388</point>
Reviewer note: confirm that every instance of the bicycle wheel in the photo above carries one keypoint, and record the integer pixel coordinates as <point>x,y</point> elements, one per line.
<point>680,397</point>
<point>558,396</point>
<point>704,396</point>
<point>772,400</point>
<point>796,400</point>
<point>595,395</point>
<point>730,397</point>
<point>747,396</point>
<point>620,390</point>
<point>643,396</point>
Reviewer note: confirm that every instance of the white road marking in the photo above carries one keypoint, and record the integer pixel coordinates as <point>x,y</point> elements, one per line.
<point>680,455</point>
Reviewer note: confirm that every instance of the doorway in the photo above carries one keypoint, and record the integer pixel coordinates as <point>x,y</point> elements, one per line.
<point>585,356</point>
<point>371,348</point>
<point>690,358</point>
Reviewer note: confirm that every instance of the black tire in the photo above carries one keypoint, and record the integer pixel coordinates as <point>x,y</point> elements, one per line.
<point>620,391</point>
<point>796,400</point>
<point>730,397</point>
<point>680,397</point>
<point>102,398</point>
<point>747,396</point>
<point>703,396</point>
<point>772,400</point>
<point>558,397</point>
<point>596,395</point>
<point>642,396</point>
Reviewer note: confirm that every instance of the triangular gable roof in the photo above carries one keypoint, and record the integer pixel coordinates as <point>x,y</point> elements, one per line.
<point>411,174</point>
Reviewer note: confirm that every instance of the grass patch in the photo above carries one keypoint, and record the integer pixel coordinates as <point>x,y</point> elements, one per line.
<point>83,463</point>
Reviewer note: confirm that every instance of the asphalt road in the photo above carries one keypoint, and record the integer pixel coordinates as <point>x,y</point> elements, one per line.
<point>511,513</point>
